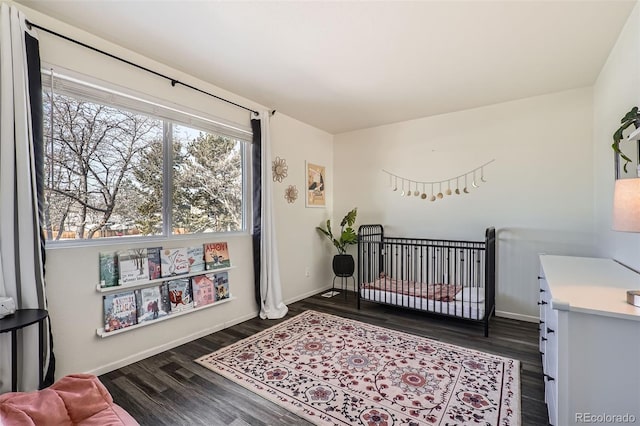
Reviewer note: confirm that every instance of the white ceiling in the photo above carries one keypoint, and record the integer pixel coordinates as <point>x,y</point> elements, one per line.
<point>343,66</point>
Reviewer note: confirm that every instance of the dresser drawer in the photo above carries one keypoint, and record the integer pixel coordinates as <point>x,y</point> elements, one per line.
<point>550,357</point>
<point>544,305</point>
<point>551,398</point>
<point>548,348</point>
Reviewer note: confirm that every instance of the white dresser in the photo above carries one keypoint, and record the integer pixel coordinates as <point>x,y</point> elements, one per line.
<point>590,341</point>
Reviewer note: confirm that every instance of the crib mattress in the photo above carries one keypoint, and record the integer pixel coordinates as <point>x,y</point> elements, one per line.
<point>466,309</point>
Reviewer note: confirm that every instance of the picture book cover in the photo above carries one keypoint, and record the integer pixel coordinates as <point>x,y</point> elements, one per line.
<point>119,310</point>
<point>153,254</point>
<point>203,290</point>
<point>109,274</point>
<point>133,265</point>
<point>221,285</point>
<point>180,296</point>
<point>152,302</point>
<point>196,258</point>
<point>174,262</point>
<point>216,256</point>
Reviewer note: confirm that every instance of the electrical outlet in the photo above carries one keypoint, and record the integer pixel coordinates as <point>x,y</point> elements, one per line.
<point>307,272</point>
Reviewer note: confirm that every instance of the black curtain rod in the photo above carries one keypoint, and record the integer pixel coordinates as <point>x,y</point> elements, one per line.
<point>133,64</point>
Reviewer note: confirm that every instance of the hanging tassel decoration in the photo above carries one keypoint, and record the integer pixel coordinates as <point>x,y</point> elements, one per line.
<point>471,174</point>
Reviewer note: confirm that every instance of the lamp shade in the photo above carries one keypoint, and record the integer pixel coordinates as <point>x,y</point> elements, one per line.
<point>626,205</point>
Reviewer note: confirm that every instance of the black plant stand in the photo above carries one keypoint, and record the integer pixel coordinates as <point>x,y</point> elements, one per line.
<point>343,268</point>
<point>344,283</point>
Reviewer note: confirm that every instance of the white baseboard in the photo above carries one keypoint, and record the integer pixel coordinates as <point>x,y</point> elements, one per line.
<point>307,294</point>
<point>169,345</point>
<point>521,317</point>
<point>186,339</point>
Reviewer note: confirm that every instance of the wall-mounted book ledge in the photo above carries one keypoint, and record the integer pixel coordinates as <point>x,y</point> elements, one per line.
<point>143,286</point>
<point>102,333</point>
<point>146,283</point>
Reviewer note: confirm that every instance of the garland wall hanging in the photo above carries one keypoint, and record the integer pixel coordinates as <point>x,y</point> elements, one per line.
<point>427,190</point>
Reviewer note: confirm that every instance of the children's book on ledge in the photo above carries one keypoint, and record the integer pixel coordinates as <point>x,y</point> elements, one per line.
<point>221,284</point>
<point>152,302</point>
<point>203,289</point>
<point>133,265</point>
<point>174,261</point>
<point>216,256</point>
<point>196,258</point>
<point>109,273</point>
<point>119,310</point>
<point>154,262</point>
<point>180,295</point>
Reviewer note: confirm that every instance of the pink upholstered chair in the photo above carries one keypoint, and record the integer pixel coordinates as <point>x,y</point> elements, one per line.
<point>78,399</point>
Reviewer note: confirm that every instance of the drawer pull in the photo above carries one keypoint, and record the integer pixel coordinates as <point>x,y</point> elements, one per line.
<point>541,322</point>
<point>550,330</point>
<point>549,378</point>
<point>542,353</point>
<point>540,278</point>
<point>542,290</point>
<point>542,303</point>
<point>544,339</point>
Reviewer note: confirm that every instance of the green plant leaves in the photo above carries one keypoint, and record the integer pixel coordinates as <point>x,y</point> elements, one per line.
<point>350,218</point>
<point>348,235</point>
<point>328,234</point>
<point>632,117</point>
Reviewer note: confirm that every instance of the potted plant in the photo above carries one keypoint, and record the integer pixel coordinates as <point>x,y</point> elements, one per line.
<point>632,117</point>
<point>343,264</point>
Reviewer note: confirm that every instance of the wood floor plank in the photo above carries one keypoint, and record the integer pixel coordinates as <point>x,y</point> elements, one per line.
<point>171,389</point>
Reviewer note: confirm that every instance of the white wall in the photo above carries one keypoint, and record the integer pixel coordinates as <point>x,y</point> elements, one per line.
<point>300,246</point>
<point>75,306</point>
<point>538,193</point>
<point>616,91</point>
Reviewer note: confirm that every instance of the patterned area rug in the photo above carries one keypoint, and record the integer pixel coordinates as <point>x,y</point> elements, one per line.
<point>335,371</point>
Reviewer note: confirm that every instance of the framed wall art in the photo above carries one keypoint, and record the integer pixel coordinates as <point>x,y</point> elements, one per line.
<point>316,190</point>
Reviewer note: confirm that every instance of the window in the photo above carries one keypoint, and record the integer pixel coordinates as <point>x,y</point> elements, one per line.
<point>207,182</point>
<point>119,166</point>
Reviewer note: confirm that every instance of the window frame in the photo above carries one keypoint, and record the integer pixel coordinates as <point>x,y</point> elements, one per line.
<point>170,114</point>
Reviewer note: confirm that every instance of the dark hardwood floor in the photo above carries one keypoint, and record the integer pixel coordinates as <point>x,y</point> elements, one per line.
<point>171,389</point>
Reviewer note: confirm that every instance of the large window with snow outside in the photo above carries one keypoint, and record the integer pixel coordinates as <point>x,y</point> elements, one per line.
<point>120,166</point>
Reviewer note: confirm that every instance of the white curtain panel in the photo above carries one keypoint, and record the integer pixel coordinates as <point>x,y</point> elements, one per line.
<point>21,271</point>
<point>272,306</point>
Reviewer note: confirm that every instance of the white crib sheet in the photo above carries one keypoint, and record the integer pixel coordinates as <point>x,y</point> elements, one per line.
<point>466,309</point>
